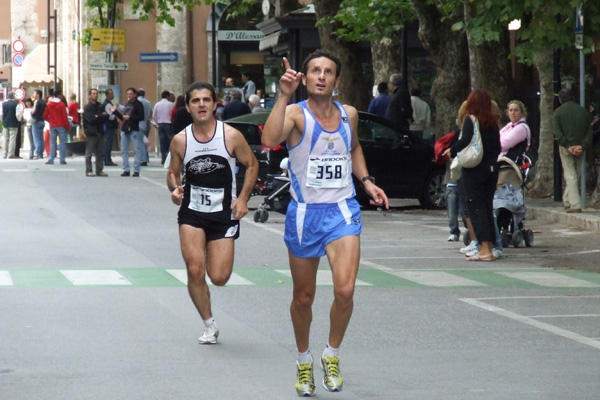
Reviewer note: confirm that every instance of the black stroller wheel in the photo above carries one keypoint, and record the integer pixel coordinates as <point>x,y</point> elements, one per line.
<point>517,239</point>
<point>256,215</point>
<point>528,238</point>
<point>264,216</point>
<point>505,235</point>
<point>466,238</point>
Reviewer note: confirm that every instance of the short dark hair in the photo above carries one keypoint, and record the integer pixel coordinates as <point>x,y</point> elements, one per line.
<point>322,53</point>
<point>564,95</point>
<point>246,74</point>
<point>90,90</point>
<point>165,94</point>
<point>134,90</point>
<point>141,92</point>
<point>415,90</point>
<point>200,86</point>
<point>382,87</point>
<point>39,92</point>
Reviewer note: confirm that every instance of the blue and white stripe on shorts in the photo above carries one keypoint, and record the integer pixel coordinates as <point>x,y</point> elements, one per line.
<point>311,227</point>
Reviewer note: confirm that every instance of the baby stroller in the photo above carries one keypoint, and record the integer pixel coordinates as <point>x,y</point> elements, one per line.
<point>509,202</point>
<point>278,195</point>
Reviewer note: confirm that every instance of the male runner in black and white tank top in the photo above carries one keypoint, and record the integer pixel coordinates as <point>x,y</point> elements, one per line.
<point>205,153</point>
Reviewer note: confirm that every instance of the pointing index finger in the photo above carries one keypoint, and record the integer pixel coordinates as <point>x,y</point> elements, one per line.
<point>286,63</point>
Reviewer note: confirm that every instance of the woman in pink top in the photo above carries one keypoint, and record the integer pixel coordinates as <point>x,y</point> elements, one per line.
<point>515,137</point>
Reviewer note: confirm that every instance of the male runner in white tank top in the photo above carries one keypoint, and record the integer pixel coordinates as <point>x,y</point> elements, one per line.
<point>206,152</point>
<point>323,217</point>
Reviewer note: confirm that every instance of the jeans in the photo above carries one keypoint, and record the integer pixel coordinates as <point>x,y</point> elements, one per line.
<point>452,206</point>
<point>31,142</point>
<point>165,135</point>
<point>135,138</point>
<point>109,139</point>
<point>38,138</point>
<point>61,133</point>
<point>497,245</point>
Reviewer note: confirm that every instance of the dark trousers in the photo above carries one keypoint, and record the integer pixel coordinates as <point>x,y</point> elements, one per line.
<point>94,145</point>
<point>479,190</point>
<point>165,135</point>
<point>109,139</point>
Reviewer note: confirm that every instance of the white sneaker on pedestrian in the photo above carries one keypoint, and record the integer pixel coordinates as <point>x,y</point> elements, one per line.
<point>472,253</point>
<point>453,238</point>
<point>497,253</point>
<point>210,335</point>
<point>472,246</point>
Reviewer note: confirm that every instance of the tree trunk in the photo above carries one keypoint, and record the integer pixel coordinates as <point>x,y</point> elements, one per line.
<point>543,182</point>
<point>449,53</point>
<point>353,88</point>
<point>490,67</point>
<point>386,54</point>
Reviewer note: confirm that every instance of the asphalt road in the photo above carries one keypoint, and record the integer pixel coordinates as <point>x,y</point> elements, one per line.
<point>93,303</point>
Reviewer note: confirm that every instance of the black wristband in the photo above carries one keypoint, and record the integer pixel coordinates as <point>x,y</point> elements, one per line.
<point>368,178</point>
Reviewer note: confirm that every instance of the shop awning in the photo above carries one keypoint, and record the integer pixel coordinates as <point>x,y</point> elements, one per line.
<point>269,41</point>
<point>35,65</point>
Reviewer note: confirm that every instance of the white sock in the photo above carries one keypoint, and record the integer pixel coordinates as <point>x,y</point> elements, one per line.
<point>331,351</point>
<point>304,358</point>
<point>209,321</point>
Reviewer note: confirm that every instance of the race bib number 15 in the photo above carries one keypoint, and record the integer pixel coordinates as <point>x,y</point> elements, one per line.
<point>206,200</point>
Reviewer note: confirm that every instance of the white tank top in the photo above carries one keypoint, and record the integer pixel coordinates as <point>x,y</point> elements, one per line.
<point>320,164</point>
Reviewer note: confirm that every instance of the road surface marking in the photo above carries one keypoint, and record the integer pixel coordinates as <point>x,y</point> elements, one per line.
<point>435,278</point>
<point>95,277</point>
<point>532,322</point>
<point>549,279</point>
<point>5,279</point>
<point>324,278</point>
<point>234,280</point>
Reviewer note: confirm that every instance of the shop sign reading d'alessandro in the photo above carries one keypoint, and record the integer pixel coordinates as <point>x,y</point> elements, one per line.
<point>237,36</point>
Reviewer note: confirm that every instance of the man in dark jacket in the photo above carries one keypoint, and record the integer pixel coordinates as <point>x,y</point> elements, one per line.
<point>10,124</point>
<point>400,109</point>
<point>110,128</point>
<point>37,127</point>
<point>235,107</point>
<point>131,114</point>
<point>94,116</point>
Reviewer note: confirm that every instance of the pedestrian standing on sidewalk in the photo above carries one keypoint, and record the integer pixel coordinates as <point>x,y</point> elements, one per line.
<point>94,116</point>
<point>323,217</point>
<point>110,128</point>
<point>131,114</point>
<point>39,106</point>
<point>572,126</point>
<point>10,125</point>
<point>210,209</point>
<point>56,115</point>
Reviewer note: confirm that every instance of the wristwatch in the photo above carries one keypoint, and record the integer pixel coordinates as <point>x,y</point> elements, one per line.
<point>368,178</point>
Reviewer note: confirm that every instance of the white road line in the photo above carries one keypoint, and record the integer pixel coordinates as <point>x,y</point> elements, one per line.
<point>234,280</point>
<point>63,169</point>
<point>15,170</point>
<point>95,277</point>
<point>541,325</point>
<point>549,279</point>
<point>260,225</point>
<point>565,316</point>
<point>323,278</point>
<point>375,266</point>
<point>437,279</point>
<point>5,279</point>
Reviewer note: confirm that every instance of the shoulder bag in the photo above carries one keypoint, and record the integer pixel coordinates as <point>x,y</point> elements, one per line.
<point>471,156</point>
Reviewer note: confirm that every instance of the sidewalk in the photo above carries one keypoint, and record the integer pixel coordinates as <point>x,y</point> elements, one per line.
<point>552,211</point>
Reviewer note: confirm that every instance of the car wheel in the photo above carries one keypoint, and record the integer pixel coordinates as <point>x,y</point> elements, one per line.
<point>434,190</point>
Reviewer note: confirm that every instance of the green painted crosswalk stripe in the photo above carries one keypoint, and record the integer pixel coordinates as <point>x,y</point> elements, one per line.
<point>268,277</point>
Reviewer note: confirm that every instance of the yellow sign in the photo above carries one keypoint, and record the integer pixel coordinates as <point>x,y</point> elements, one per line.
<point>107,37</point>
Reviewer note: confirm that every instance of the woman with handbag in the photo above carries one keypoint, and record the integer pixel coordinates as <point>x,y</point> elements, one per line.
<point>480,134</point>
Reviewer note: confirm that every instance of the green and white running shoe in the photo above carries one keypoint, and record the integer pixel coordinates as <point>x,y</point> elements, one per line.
<point>305,380</point>
<point>210,335</point>
<point>332,381</point>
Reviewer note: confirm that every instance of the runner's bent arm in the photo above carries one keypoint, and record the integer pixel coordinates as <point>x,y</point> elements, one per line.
<point>359,166</point>
<point>177,149</point>
<point>243,153</point>
<point>281,120</point>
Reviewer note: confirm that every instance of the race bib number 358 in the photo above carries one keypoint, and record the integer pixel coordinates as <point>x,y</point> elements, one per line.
<point>328,172</point>
<point>206,200</point>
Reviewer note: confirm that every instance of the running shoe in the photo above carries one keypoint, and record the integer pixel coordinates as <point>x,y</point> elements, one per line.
<point>305,380</point>
<point>332,381</point>
<point>210,335</point>
<point>472,246</point>
<point>453,238</point>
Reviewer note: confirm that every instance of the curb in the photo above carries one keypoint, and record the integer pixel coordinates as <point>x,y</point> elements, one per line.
<point>588,219</point>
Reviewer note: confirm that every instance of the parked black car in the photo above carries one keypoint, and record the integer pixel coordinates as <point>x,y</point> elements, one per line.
<point>401,162</point>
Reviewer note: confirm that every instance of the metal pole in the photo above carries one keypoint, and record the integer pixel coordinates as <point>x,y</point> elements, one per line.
<point>214,44</point>
<point>557,163</point>
<point>582,103</point>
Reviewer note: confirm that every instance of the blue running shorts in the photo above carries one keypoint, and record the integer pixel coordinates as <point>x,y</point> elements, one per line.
<point>310,227</point>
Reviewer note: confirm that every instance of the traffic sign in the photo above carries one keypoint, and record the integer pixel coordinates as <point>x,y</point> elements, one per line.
<point>19,93</point>
<point>18,59</point>
<point>108,37</point>
<point>159,57</point>
<point>110,66</point>
<point>18,46</point>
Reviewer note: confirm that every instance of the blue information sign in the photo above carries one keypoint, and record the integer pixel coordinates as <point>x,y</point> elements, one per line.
<point>159,57</point>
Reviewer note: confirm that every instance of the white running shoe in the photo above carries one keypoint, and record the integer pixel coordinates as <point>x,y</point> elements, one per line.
<point>472,246</point>
<point>472,253</point>
<point>210,335</point>
<point>453,238</point>
<point>497,253</point>
<point>305,381</point>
